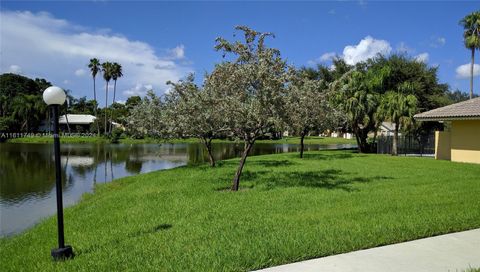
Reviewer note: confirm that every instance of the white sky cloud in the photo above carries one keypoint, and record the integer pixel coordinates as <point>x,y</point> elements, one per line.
<point>15,69</point>
<point>402,47</point>
<point>328,56</point>
<point>463,71</point>
<point>80,72</point>
<point>48,47</point>
<point>178,52</point>
<point>423,57</point>
<point>438,42</point>
<point>138,89</point>
<point>365,49</point>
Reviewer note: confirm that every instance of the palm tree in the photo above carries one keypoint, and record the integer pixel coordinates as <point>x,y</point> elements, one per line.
<point>471,38</point>
<point>116,74</point>
<point>95,67</point>
<point>28,109</point>
<point>397,107</point>
<point>107,75</point>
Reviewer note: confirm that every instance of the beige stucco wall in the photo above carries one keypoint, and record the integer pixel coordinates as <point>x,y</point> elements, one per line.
<point>442,145</point>
<point>465,141</point>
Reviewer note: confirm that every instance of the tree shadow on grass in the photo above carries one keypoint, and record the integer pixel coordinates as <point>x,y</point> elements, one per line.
<point>247,178</point>
<point>332,156</point>
<point>272,163</point>
<point>154,229</point>
<point>326,179</point>
<point>135,234</point>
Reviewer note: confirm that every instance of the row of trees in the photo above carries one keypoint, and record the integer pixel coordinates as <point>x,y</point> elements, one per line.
<point>253,93</point>
<point>110,71</point>
<point>22,108</point>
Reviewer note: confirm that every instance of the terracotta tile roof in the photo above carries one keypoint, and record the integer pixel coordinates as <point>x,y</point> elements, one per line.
<point>466,110</point>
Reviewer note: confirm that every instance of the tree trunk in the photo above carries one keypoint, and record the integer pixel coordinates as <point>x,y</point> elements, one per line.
<point>111,115</point>
<point>395,141</point>
<point>106,103</point>
<point>66,119</point>
<point>361,138</point>
<point>208,146</point>
<point>359,144</point>
<point>471,72</point>
<point>95,107</point>
<point>302,146</point>
<point>236,179</point>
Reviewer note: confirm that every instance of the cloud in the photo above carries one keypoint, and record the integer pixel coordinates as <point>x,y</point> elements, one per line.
<point>15,69</point>
<point>328,56</point>
<point>365,49</point>
<point>438,42</point>
<point>323,58</point>
<point>332,12</point>
<point>402,47</point>
<point>61,46</point>
<point>80,72</point>
<point>178,52</point>
<point>463,71</point>
<point>139,89</point>
<point>423,57</point>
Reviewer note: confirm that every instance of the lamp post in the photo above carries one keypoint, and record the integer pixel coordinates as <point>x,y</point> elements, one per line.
<point>54,97</point>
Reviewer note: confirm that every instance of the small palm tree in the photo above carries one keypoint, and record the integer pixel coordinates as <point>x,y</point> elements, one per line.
<point>116,74</point>
<point>107,75</point>
<point>471,38</point>
<point>95,67</point>
<point>397,107</point>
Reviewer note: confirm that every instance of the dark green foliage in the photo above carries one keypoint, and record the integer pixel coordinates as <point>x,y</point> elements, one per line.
<point>21,104</point>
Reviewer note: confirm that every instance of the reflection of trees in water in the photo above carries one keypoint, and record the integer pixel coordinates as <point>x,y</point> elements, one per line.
<point>133,166</point>
<point>198,154</point>
<point>27,170</point>
<point>222,151</point>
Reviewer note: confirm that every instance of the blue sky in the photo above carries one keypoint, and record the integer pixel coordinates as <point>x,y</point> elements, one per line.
<point>160,41</point>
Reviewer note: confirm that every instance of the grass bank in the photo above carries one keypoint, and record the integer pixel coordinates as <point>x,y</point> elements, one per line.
<point>287,140</point>
<point>287,210</point>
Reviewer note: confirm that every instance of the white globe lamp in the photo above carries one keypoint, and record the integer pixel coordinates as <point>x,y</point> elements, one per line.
<point>54,95</point>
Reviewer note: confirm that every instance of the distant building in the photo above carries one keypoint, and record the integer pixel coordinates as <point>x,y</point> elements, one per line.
<point>76,122</point>
<point>460,141</point>
<point>386,129</point>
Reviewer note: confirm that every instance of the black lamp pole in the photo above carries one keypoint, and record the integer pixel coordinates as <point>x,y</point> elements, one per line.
<point>62,252</point>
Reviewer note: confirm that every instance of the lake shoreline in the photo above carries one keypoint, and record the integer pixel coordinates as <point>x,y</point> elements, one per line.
<point>103,140</point>
<point>28,182</point>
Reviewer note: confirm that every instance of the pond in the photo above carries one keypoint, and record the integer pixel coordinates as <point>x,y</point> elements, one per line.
<point>27,179</point>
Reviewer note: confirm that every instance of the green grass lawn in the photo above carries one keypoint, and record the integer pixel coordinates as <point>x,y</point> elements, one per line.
<point>289,140</point>
<point>287,210</point>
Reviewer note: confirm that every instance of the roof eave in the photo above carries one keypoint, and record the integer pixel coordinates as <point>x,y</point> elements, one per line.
<point>446,118</point>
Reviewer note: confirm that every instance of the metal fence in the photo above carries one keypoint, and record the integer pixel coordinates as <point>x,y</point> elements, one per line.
<point>407,145</point>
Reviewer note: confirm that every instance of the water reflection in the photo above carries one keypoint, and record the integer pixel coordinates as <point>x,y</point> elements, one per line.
<point>27,180</point>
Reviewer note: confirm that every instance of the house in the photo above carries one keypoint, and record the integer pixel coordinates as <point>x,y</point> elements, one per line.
<point>460,140</point>
<point>386,129</point>
<point>76,122</point>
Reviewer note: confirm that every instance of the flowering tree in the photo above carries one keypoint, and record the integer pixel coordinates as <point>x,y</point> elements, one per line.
<point>250,89</point>
<point>192,112</point>
<point>307,107</point>
<point>148,117</point>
